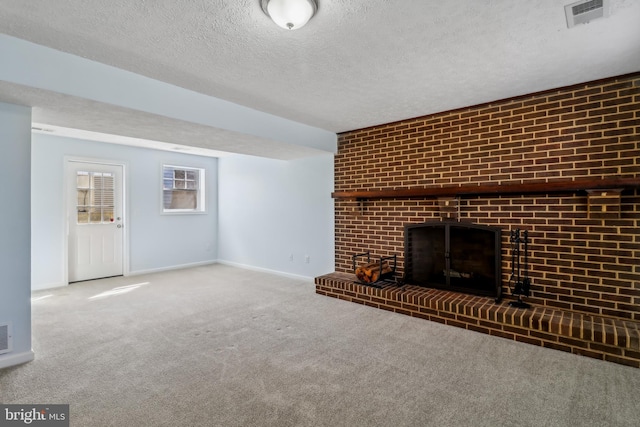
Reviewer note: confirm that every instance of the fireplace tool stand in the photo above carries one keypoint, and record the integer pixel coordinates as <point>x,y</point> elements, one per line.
<point>519,282</point>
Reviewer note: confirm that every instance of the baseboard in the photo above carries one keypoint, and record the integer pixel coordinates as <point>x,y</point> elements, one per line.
<point>47,286</point>
<point>197,264</point>
<point>16,359</point>
<point>266,270</point>
<point>172,267</point>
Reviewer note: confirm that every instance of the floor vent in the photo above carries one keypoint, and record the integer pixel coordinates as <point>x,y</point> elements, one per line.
<point>585,11</point>
<point>5,338</point>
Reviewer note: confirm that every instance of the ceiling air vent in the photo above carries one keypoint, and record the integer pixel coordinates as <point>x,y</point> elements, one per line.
<point>585,11</point>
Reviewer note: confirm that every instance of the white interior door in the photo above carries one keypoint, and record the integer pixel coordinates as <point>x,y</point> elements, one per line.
<point>95,220</point>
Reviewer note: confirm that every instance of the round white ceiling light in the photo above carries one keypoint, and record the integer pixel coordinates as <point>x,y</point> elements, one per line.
<point>290,14</point>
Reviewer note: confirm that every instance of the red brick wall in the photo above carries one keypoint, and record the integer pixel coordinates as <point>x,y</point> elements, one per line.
<point>578,262</point>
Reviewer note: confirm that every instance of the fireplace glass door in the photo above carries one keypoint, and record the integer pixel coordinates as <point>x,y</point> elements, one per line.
<point>452,255</point>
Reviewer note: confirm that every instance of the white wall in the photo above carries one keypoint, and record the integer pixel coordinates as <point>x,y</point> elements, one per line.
<point>272,209</point>
<point>15,269</point>
<point>157,241</point>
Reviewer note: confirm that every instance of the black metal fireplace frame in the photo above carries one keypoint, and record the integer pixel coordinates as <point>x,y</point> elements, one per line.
<point>496,290</point>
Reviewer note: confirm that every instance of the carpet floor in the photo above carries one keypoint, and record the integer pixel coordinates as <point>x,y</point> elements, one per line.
<point>222,346</point>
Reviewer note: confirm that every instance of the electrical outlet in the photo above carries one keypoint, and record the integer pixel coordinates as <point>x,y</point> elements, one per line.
<point>291,257</point>
<point>307,258</point>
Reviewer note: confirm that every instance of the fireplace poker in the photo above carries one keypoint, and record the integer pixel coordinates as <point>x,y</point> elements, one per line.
<point>519,284</point>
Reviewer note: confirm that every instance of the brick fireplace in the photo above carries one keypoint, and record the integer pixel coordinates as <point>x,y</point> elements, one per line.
<point>563,165</point>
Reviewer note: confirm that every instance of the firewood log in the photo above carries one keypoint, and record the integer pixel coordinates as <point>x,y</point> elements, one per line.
<point>360,274</point>
<point>371,272</point>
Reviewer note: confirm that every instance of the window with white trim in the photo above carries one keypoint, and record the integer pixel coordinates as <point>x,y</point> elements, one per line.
<point>182,189</point>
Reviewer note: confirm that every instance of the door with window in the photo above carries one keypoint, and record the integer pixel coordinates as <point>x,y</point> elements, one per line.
<point>95,212</point>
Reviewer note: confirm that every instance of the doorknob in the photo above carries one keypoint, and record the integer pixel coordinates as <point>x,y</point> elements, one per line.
<point>119,225</point>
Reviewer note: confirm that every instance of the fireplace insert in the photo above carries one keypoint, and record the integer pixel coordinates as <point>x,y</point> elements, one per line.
<point>456,256</point>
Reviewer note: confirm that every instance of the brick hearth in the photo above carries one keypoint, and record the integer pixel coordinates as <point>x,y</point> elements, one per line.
<point>602,338</point>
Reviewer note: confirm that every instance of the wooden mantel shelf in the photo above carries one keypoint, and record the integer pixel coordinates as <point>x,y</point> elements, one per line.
<point>556,186</point>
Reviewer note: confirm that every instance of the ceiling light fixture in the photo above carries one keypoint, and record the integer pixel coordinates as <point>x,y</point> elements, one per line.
<point>289,14</point>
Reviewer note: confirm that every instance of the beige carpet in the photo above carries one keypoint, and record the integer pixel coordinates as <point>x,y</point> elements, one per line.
<point>221,346</point>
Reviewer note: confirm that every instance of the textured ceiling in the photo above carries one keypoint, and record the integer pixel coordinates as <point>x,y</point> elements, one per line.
<point>357,63</point>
